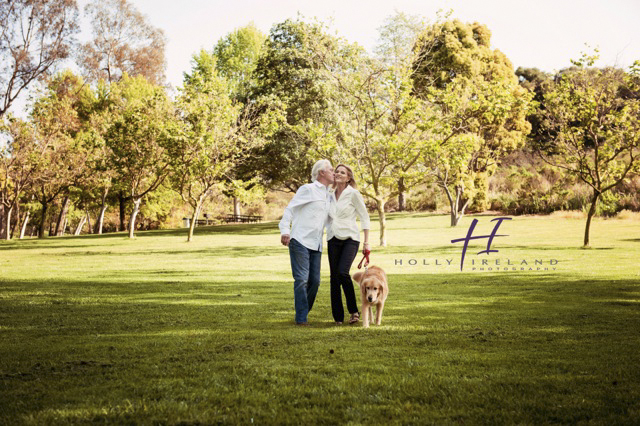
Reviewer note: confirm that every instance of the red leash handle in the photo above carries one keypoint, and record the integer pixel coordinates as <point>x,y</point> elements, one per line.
<point>366,256</point>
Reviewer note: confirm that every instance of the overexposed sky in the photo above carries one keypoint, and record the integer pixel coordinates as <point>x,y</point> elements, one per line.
<point>544,33</point>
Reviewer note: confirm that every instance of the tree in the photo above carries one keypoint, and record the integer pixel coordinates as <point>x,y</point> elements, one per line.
<point>218,135</point>
<point>18,164</point>
<point>476,92</point>
<point>595,117</point>
<point>58,116</point>
<point>236,57</point>
<point>98,182</point>
<point>123,42</point>
<point>287,76</point>
<point>396,41</point>
<point>208,147</point>
<point>379,126</point>
<point>539,83</point>
<point>36,35</point>
<point>138,138</point>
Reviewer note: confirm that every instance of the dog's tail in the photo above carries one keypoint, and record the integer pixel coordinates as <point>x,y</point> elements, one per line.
<point>358,276</point>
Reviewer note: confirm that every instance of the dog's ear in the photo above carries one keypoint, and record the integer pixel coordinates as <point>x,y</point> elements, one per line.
<point>383,291</point>
<point>357,276</point>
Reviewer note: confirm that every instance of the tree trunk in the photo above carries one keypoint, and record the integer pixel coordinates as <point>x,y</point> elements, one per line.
<point>24,224</point>
<point>401,190</point>
<point>592,211</point>
<point>100,222</point>
<point>455,218</point>
<point>453,205</point>
<point>62,218</point>
<point>134,213</point>
<point>17,221</point>
<point>457,212</point>
<point>7,223</point>
<point>237,208</point>
<point>45,206</point>
<point>383,222</point>
<point>81,223</point>
<point>103,209</point>
<point>122,200</point>
<point>194,219</point>
<point>88,216</point>
<point>2,221</point>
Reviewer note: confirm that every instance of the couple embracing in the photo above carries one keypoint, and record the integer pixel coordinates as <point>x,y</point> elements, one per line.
<point>331,201</point>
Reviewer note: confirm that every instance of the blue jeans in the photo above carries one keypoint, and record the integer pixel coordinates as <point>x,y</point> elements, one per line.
<point>305,266</point>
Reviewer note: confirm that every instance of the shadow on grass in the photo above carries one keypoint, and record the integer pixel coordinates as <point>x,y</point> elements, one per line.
<point>520,337</point>
<point>265,228</point>
<point>251,251</point>
<point>547,248</point>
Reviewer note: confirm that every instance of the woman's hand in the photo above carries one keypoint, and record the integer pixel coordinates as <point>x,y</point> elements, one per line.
<point>365,248</point>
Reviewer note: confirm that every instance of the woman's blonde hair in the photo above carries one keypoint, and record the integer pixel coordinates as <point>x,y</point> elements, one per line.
<point>352,180</point>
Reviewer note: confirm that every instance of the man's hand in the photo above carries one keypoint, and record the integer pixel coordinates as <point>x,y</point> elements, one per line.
<point>284,239</point>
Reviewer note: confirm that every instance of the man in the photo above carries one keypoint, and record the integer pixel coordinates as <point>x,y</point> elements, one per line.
<point>309,211</point>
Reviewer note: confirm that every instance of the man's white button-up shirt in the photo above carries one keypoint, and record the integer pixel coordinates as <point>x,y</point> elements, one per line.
<point>309,211</point>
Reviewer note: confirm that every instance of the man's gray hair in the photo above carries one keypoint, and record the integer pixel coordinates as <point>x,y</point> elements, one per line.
<point>320,165</point>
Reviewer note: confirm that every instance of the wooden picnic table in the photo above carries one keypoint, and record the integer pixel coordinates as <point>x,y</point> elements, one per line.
<point>241,218</point>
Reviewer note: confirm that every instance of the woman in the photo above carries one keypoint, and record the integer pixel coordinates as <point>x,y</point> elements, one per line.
<point>343,240</point>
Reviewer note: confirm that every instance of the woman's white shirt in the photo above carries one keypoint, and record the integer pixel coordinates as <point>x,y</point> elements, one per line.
<point>343,213</point>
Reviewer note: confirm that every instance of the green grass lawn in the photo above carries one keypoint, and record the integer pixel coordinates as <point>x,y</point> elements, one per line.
<point>159,331</point>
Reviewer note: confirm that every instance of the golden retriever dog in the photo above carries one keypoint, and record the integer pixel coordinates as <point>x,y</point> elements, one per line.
<point>373,291</point>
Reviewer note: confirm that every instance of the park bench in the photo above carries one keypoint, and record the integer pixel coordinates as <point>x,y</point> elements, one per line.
<point>199,222</point>
<point>241,218</point>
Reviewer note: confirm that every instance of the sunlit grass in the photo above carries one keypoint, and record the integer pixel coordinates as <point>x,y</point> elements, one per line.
<point>157,330</point>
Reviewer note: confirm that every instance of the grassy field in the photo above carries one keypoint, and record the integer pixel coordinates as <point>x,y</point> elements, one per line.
<point>159,331</point>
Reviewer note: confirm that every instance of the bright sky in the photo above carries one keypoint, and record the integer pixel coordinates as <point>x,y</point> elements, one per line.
<point>544,33</point>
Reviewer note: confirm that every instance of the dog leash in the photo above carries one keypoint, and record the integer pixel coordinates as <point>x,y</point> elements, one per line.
<point>365,257</point>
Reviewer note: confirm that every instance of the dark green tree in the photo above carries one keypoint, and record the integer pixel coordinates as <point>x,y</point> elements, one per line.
<point>287,76</point>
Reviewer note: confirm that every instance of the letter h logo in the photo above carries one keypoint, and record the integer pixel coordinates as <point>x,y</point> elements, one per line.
<point>470,237</point>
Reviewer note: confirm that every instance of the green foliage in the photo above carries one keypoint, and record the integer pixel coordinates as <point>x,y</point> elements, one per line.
<point>236,59</point>
<point>596,119</point>
<point>479,103</point>
<point>139,134</point>
<point>287,76</point>
<point>450,49</point>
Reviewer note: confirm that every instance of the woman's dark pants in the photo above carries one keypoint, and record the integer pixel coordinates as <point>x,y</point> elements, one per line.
<point>341,256</point>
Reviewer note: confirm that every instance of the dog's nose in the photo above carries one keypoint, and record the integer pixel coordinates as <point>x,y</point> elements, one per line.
<point>370,299</point>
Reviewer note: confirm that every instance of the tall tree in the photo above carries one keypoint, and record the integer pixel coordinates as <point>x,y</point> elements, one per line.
<point>380,127</point>
<point>59,116</point>
<point>218,135</point>
<point>18,163</point>
<point>395,49</point>
<point>595,117</point>
<point>36,35</point>
<point>287,75</point>
<point>476,91</point>
<point>236,57</point>
<point>138,138</point>
<point>123,42</point>
<point>98,182</point>
<point>539,83</point>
